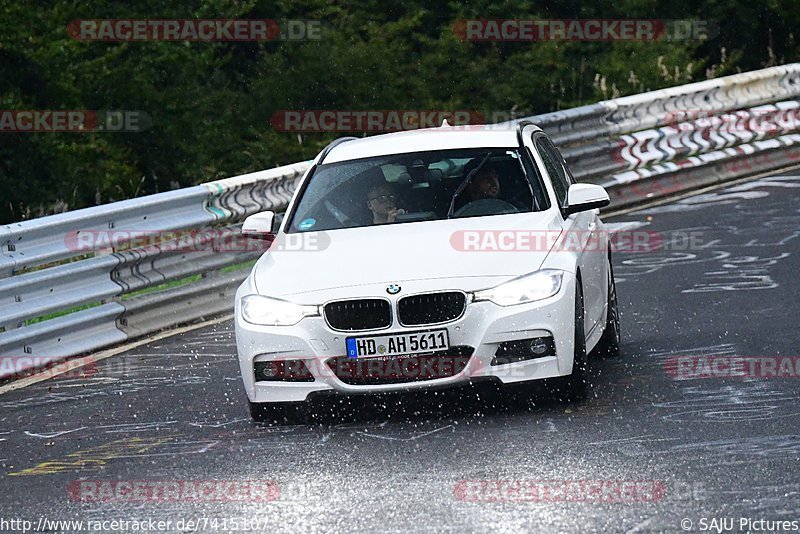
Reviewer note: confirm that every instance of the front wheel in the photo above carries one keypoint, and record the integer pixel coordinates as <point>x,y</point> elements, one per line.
<point>609,342</point>
<point>575,386</point>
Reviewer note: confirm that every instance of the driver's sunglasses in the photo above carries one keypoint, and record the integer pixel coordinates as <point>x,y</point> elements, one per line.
<point>384,198</point>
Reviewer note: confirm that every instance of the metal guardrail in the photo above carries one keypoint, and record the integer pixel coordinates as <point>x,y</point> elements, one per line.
<point>592,138</point>
<point>652,109</point>
<point>64,293</point>
<point>37,241</point>
<point>98,292</point>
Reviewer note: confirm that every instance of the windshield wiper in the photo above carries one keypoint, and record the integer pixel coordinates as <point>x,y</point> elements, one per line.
<point>463,185</point>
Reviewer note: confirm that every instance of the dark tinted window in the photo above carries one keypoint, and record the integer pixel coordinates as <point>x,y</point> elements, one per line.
<point>553,163</point>
<point>561,163</point>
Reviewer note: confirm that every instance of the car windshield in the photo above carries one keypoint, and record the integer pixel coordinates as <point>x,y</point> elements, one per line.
<point>420,186</point>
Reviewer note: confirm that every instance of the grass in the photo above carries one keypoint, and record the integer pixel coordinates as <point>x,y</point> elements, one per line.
<point>61,313</point>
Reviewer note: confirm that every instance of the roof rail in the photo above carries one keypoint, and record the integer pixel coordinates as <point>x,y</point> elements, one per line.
<point>521,125</point>
<point>333,144</point>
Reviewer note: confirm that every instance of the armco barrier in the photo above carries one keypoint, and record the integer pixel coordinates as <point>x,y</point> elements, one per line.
<point>33,295</point>
<point>50,290</point>
<point>77,333</point>
<point>58,300</point>
<point>648,110</point>
<point>210,296</point>
<point>706,170</point>
<point>669,143</point>
<point>38,241</point>
<point>235,198</point>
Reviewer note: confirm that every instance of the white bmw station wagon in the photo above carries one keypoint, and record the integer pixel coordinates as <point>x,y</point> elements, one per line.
<point>440,256</point>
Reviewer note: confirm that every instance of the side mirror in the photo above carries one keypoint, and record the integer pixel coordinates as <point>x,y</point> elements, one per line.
<point>585,197</point>
<point>261,225</point>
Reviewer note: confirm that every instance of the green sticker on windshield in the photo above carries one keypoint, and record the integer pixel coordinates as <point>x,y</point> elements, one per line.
<point>306,224</point>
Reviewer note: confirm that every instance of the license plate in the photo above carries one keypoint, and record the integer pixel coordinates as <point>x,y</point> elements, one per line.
<point>397,344</point>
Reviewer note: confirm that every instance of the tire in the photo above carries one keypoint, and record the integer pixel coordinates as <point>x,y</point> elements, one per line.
<point>608,346</point>
<point>276,412</point>
<point>575,387</point>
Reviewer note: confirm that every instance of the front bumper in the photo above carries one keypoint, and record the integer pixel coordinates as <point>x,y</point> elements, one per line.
<point>482,327</point>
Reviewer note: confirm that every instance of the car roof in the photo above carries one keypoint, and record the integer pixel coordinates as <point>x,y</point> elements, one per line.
<point>443,138</point>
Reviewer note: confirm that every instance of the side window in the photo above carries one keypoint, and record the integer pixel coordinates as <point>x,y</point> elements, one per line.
<point>561,163</point>
<point>555,169</point>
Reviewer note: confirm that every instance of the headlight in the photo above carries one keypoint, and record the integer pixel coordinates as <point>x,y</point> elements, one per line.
<point>273,312</point>
<point>529,288</point>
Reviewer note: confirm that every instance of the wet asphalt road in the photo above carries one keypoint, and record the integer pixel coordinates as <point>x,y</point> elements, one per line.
<point>727,448</point>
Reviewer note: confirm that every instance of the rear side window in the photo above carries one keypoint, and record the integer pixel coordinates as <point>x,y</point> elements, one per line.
<point>561,163</point>
<point>555,168</point>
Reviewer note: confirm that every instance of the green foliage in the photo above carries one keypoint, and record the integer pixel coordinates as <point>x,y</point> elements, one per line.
<point>211,103</point>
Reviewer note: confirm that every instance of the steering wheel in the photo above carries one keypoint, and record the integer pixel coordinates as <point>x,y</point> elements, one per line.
<point>485,206</point>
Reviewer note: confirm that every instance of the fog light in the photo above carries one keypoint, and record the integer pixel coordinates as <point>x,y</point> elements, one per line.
<point>538,346</point>
<point>282,371</point>
<point>267,372</point>
<point>524,349</point>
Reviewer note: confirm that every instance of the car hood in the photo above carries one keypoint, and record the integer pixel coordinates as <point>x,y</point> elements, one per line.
<point>306,263</point>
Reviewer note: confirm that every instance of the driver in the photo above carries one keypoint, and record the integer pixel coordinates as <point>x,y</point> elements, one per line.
<point>381,201</point>
<point>483,194</point>
<point>485,184</point>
